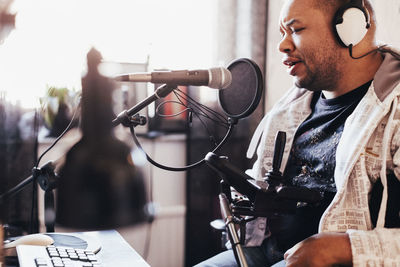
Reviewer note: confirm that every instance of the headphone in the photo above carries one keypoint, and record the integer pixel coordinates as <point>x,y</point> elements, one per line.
<point>351,23</point>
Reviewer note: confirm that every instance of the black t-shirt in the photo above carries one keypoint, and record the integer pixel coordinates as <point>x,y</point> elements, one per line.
<point>312,157</point>
<point>312,163</point>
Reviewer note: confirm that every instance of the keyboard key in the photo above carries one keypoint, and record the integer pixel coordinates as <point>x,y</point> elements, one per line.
<point>65,257</point>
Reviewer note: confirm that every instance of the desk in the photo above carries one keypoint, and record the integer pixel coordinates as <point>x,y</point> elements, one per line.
<point>115,251</point>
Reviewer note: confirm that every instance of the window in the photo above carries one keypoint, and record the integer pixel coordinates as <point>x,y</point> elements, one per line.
<point>51,39</point>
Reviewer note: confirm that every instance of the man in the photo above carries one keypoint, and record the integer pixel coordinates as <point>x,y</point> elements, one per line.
<point>343,136</point>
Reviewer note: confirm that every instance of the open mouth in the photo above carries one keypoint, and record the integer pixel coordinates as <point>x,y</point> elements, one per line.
<point>291,63</point>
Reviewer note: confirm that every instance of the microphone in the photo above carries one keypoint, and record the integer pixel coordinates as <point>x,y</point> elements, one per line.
<point>218,78</point>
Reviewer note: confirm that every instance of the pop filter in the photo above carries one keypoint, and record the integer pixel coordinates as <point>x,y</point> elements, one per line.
<point>242,96</point>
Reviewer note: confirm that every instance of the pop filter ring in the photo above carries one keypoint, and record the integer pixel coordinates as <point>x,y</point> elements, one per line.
<point>252,77</point>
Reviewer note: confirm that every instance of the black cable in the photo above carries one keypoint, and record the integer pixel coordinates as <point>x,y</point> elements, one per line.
<point>185,168</point>
<point>212,138</point>
<point>198,116</point>
<point>170,115</point>
<point>368,53</point>
<point>204,114</point>
<point>146,249</point>
<point>34,189</point>
<point>199,110</point>
<point>69,126</point>
<point>199,105</point>
<point>388,50</point>
<point>147,241</point>
<point>216,121</point>
<point>217,115</point>
<point>30,179</point>
<point>196,108</point>
<point>180,94</point>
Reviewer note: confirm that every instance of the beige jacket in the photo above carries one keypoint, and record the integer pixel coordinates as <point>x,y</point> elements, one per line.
<point>368,149</point>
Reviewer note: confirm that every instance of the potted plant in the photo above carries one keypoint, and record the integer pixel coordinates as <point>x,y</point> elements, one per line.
<point>57,109</point>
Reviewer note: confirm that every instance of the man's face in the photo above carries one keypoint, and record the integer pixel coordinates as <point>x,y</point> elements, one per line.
<point>311,53</point>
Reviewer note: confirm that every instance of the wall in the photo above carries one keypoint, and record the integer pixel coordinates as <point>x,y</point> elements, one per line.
<point>388,17</point>
<point>278,81</point>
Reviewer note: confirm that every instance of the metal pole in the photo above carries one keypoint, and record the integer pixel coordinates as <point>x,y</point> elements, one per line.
<point>228,218</point>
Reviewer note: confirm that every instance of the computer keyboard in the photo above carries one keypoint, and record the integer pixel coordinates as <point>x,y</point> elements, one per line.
<point>56,256</point>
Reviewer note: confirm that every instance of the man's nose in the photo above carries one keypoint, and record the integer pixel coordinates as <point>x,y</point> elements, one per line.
<point>286,45</point>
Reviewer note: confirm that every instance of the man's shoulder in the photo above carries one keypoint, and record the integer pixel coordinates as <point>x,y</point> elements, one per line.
<point>387,78</point>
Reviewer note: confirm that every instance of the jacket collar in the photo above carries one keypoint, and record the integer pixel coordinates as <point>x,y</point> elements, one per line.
<point>388,74</point>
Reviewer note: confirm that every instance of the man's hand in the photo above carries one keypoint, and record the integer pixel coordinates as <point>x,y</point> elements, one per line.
<point>320,250</point>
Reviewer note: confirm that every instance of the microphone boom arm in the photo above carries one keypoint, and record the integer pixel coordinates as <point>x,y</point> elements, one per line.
<point>160,92</point>
<point>266,197</point>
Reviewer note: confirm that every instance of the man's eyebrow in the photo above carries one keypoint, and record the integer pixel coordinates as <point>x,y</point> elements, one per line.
<point>290,22</point>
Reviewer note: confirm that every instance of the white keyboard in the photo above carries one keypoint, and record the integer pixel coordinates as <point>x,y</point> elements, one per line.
<point>56,256</point>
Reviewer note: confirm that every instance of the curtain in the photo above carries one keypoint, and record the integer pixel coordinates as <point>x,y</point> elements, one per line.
<point>18,135</point>
<point>240,33</point>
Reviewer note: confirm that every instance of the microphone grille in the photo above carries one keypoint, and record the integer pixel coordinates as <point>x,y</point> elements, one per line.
<point>219,78</point>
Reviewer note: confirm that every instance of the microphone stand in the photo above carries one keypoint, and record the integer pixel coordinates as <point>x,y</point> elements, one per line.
<point>46,176</point>
<point>259,198</point>
<point>230,225</point>
<point>47,179</point>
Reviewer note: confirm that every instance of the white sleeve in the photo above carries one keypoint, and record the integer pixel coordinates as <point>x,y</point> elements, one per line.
<point>378,247</point>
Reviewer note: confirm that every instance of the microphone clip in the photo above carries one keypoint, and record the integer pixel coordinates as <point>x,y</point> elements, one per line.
<point>131,121</point>
<point>45,176</point>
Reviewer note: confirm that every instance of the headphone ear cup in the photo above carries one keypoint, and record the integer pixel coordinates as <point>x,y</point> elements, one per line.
<point>351,25</point>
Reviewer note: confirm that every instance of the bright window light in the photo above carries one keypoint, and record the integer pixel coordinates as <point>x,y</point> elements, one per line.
<point>51,39</point>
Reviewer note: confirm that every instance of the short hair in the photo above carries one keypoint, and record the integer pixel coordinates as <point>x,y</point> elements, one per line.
<point>331,6</point>
<point>328,6</point>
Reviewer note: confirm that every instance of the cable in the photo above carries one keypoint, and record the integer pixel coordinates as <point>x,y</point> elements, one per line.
<point>146,249</point>
<point>170,115</point>
<point>390,51</point>
<point>196,108</point>
<point>134,137</point>
<point>199,110</point>
<point>34,189</point>
<point>36,129</point>
<point>31,178</point>
<point>69,126</point>
<point>218,117</point>
<point>368,53</point>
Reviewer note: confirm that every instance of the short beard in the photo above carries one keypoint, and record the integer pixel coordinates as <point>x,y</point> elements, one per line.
<point>324,78</point>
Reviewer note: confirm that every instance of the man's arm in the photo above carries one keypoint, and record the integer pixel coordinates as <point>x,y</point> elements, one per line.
<point>320,250</point>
